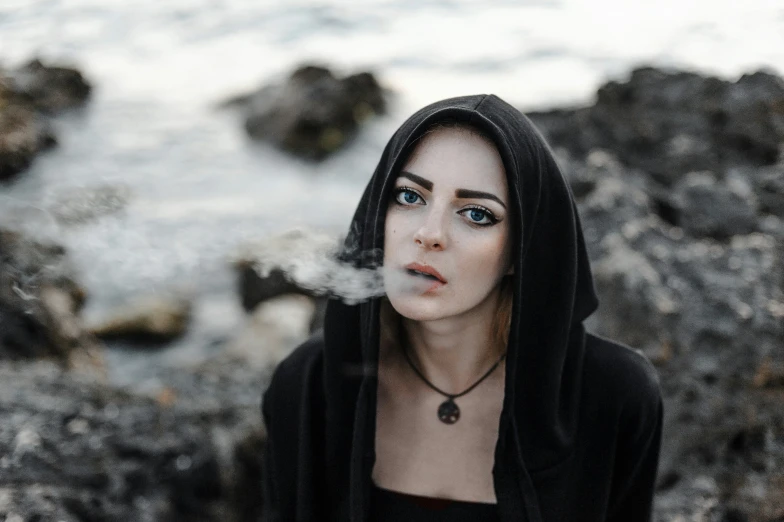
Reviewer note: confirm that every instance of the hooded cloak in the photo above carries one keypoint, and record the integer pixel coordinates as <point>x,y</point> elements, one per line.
<point>580,428</point>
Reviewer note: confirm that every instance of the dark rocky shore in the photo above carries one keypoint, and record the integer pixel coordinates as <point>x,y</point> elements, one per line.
<point>680,183</point>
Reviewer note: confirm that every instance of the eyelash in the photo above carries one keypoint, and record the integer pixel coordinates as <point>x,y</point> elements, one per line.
<point>488,213</point>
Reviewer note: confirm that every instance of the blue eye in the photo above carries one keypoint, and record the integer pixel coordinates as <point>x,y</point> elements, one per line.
<point>480,216</point>
<point>406,196</point>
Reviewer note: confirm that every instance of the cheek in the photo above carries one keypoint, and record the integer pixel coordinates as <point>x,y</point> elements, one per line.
<point>488,257</point>
<point>391,232</point>
<point>396,224</point>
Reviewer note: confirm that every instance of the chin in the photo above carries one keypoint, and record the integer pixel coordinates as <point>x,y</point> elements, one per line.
<point>421,308</point>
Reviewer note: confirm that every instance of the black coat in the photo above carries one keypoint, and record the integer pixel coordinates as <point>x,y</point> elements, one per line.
<point>580,429</point>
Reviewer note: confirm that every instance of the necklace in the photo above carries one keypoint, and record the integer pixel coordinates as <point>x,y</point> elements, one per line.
<point>449,412</point>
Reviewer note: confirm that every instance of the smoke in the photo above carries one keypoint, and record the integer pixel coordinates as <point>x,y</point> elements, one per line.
<point>315,262</point>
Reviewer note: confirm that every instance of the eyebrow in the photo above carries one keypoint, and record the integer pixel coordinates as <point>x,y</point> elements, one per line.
<point>477,194</point>
<point>427,184</point>
<point>460,193</point>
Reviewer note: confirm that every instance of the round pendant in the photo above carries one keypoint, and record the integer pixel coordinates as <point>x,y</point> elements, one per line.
<point>448,412</point>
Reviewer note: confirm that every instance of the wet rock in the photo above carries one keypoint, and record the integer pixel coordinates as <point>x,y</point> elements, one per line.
<point>273,330</point>
<point>295,261</point>
<point>75,450</point>
<point>669,123</point>
<point>313,113</point>
<point>40,303</point>
<point>28,95</point>
<point>310,263</point>
<point>255,289</point>
<point>154,319</point>
<point>49,88</point>
<point>23,134</point>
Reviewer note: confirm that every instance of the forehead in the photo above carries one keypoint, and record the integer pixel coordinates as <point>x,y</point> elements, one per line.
<point>458,157</point>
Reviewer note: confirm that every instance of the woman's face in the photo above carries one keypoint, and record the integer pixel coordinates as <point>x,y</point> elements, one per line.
<point>447,232</point>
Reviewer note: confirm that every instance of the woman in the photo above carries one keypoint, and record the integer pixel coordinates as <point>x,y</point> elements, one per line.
<point>472,390</point>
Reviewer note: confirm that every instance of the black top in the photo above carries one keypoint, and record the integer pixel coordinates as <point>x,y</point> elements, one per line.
<point>393,506</point>
<point>580,428</point>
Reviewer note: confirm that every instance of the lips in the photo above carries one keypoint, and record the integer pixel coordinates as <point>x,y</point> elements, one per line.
<point>425,271</point>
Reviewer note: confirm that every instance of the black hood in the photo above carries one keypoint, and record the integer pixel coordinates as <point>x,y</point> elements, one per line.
<point>553,294</point>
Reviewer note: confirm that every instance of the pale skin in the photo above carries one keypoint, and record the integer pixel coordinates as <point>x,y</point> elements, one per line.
<point>450,212</point>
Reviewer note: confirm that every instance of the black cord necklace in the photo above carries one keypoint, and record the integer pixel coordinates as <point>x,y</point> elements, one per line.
<point>448,412</point>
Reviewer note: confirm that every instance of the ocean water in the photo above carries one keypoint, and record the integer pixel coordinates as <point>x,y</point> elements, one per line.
<point>197,188</point>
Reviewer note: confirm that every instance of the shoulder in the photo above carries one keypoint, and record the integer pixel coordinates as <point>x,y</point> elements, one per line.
<point>621,376</point>
<point>296,373</point>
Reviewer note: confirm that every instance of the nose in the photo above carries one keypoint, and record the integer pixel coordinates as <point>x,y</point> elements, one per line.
<point>432,235</point>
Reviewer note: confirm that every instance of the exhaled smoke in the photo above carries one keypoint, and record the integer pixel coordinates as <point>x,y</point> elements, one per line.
<point>315,262</point>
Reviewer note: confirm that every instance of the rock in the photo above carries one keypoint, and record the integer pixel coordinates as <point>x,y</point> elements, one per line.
<point>75,450</point>
<point>248,476</point>
<point>255,289</point>
<point>669,123</point>
<point>770,374</point>
<point>295,261</point>
<point>273,330</point>
<point>313,113</point>
<point>49,88</point>
<point>27,95</point>
<point>305,262</point>
<point>85,353</point>
<point>685,235</point>
<point>154,319</point>
<point>40,303</point>
<point>768,186</point>
<point>771,192</point>
<point>706,207</point>
<point>22,136</point>
<point>692,273</point>
<point>710,314</point>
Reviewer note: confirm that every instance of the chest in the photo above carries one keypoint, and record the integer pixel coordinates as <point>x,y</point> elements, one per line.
<point>417,453</point>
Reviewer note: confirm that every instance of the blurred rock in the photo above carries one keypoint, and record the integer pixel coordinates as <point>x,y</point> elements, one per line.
<point>23,134</point>
<point>255,289</point>
<point>273,330</point>
<point>40,304</point>
<point>27,95</point>
<point>768,186</point>
<point>154,319</point>
<point>668,123</point>
<point>709,311</point>
<point>296,261</point>
<point>680,190</point>
<point>706,207</point>
<point>75,450</point>
<point>49,88</point>
<point>312,113</point>
<point>248,476</point>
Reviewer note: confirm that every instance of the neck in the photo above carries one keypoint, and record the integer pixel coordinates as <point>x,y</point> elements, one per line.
<point>452,353</point>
